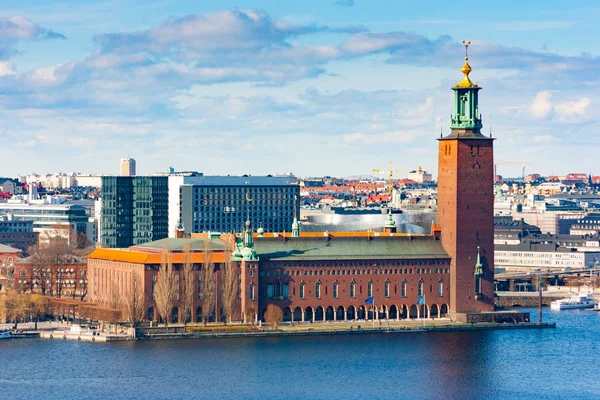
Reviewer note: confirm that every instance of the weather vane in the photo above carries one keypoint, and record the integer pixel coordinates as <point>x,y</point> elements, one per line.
<point>466,44</point>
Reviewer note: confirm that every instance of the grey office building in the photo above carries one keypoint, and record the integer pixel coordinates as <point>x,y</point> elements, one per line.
<point>223,203</point>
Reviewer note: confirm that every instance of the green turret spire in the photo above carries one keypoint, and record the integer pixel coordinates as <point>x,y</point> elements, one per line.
<point>248,235</point>
<point>295,224</point>
<point>466,103</point>
<point>478,265</point>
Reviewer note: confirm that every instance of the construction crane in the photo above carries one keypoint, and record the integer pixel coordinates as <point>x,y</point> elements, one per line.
<point>390,175</point>
<point>390,179</point>
<point>521,163</point>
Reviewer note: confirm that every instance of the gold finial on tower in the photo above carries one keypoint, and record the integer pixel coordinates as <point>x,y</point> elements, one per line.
<point>466,68</point>
<point>466,44</point>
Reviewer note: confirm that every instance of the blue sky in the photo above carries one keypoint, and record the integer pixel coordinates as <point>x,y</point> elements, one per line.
<point>318,87</point>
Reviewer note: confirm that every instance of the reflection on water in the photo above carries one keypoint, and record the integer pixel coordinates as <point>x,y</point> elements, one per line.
<point>552,363</point>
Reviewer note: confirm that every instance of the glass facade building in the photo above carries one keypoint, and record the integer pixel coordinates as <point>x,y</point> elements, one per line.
<point>222,204</point>
<point>134,210</point>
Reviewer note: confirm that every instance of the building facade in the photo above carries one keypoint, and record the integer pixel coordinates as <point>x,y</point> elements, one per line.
<point>127,167</point>
<point>17,233</point>
<point>50,216</point>
<point>134,210</point>
<point>315,276</point>
<point>223,203</point>
<point>466,201</point>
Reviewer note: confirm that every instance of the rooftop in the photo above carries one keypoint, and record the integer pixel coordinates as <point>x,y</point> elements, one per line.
<point>349,247</point>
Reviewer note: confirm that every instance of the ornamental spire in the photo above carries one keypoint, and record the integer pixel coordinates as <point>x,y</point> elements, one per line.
<point>478,265</point>
<point>466,68</point>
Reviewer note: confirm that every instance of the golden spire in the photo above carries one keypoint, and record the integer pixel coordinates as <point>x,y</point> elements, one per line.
<point>466,68</point>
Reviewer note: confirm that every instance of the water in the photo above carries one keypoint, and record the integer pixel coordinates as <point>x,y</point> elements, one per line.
<point>556,363</point>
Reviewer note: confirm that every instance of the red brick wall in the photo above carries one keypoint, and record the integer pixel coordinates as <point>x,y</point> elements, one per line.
<point>466,216</point>
<point>430,273</point>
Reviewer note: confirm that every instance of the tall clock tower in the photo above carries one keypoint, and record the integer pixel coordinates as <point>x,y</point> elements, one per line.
<point>466,201</point>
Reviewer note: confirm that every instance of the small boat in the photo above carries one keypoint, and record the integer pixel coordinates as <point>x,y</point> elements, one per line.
<point>576,301</point>
<point>5,334</point>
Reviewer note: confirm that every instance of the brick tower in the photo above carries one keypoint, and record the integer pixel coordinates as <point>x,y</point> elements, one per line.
<point>466,201</point>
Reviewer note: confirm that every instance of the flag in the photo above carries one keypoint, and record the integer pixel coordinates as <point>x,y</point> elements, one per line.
<point>370,300</point>
<point>421,300</point>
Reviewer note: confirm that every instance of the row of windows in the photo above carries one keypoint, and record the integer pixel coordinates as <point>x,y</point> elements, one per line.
<point>281,290</point>
<point>386,271</point>
<point>357,264</point>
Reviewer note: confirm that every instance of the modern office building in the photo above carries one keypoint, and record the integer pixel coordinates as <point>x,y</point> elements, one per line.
<point>223,203</point>
<point>17,233</point>
<point>127,167</point>
<point>51,215</point>
<point>134,210</point>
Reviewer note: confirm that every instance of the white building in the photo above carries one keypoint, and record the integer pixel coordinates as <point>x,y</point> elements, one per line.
<point>127,167</point>
<point>523,260</point>
<point>419,175</point>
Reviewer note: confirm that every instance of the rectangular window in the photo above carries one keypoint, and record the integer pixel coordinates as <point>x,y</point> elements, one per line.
<point>251,292</point>
<point>440,288</point>
<point>270,291</point>
<point>286,291</point>
<point>335,291</point>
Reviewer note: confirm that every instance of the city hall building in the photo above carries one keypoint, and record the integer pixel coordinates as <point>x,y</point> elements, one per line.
<point>329,276</point>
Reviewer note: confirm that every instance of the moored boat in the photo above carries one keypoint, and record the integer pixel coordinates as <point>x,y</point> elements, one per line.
<point>576,301</point>
<point>5,334</point>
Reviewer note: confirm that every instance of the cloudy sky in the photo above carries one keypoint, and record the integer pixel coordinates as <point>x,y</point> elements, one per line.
<point>314,87</point>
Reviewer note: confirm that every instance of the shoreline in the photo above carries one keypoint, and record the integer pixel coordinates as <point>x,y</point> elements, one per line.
<point>332,332</point>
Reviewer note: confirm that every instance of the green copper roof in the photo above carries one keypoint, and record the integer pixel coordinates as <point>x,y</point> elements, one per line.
<point>345,248</point>
<point>177,244</point>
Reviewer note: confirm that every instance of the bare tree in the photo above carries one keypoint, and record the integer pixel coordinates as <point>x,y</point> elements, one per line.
<point>133,304</point>
<point>208,281</point>
<point>273,315</point>
<point>49,260</point>
<point>250,314</point>
<point>37,306</point>
<point>166,288</point>
<point>80,288</point>
<point>8,271</point>
<point>187,275</point>
<point>13,306</point>
<point>230,279</point>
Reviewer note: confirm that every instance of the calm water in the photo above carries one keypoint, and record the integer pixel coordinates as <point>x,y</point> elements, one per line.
<point>528,364</point>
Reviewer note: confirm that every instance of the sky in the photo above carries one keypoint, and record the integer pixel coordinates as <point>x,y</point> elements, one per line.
<point>312,87</point>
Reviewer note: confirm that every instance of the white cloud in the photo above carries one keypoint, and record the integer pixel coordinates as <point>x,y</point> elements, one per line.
<point>7,68</point>
<point>26,143</point>
<point>541,107</point>
<point>572,110</point>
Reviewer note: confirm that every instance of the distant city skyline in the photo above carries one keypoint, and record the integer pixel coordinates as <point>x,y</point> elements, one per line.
<point>321,87</point>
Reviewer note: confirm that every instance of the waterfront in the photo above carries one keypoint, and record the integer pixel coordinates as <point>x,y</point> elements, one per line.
<point>514,364</point>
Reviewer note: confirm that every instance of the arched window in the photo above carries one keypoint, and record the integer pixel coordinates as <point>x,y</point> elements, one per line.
<point>370,289</point>
<point>335,290</point>
<point>386,288</point>
<point>352,289</point>
<point>440,288</point>
<point>318,290</point>
<point>251,292</point>
<point>420,288</point>
<point>302,290</point>
<point>403,288</point>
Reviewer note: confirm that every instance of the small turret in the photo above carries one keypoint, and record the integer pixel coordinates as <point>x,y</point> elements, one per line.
<point>390,226</point>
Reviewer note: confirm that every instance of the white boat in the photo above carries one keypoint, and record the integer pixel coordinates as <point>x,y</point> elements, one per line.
<point>5,334</point>
<point>576,301</point>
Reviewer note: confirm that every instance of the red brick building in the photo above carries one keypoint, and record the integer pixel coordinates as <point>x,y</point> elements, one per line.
<point>329,276</point>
